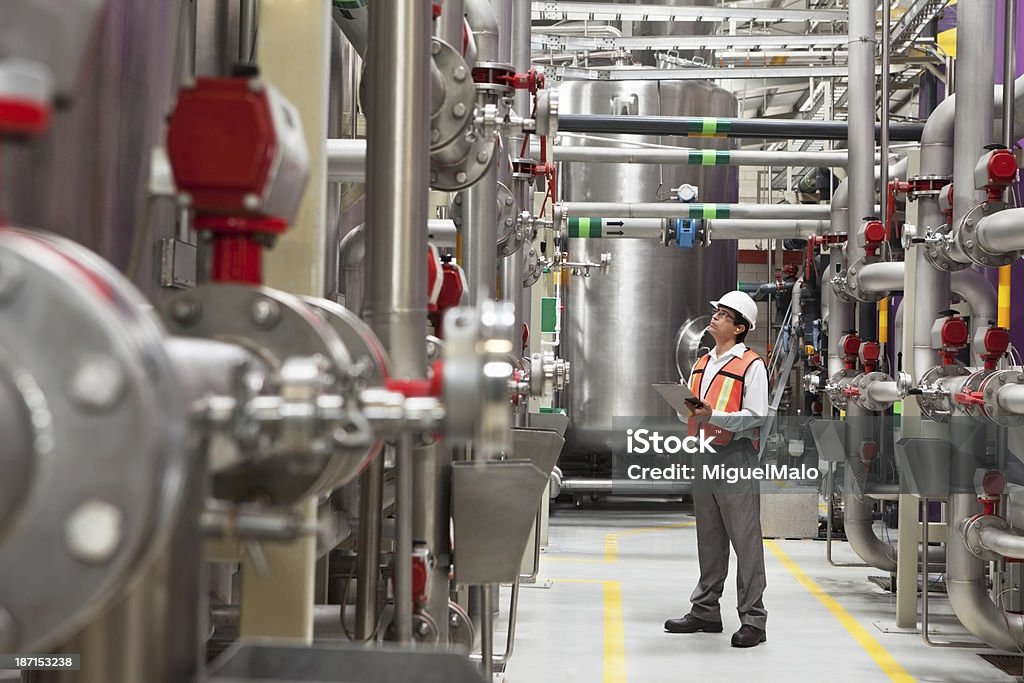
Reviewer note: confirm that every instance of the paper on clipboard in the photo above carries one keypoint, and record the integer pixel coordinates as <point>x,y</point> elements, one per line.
<point>677,395</point>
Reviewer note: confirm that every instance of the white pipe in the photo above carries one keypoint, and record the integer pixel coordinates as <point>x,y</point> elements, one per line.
<point>884,276</point>
<point>1005,543</point>
<point>861,140</point>
<point>749,228</point>
<point>1011,399</point>
<point>884,391</point>
<point>698,157</point>
<point>1002,231</point>
<point>680,210</point>
<point>484,23</point>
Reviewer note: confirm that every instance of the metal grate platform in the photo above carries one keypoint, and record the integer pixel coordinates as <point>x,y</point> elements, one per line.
<point>1008,664</point>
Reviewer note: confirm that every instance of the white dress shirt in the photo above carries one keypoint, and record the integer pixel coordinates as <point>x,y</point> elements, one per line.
<point>745,422</point>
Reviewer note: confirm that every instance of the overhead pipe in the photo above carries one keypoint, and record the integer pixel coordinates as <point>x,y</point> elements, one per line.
<point>698,157</point>
<point>750,228</point>
<point>789,129</point>
<point>681,210</point>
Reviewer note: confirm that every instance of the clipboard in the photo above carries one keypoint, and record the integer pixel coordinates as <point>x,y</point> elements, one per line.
<point>678,396</point>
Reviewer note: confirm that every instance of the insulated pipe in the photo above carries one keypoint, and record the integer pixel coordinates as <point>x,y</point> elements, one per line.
<point>398,156</point>
<point>1002,231</point>
<point>484,23</point>
<point>1002,542</point>
<point>788,129</point>
<point>452,22</point>
<point>1011,398</point>
<point>861,140</point>
<point>967,590</point>
<point>884,391</point>
<point>680,210</point>
<point>698,157</point>
<point>736,229</point>
<point>973,127</point>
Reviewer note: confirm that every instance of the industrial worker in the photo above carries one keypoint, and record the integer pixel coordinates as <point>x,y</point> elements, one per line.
<point>731,382</point>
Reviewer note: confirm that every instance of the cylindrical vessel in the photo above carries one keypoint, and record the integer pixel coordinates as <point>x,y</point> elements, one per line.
<point>619,326</point>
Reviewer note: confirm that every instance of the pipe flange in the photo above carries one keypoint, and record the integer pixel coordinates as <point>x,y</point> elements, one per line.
<point>971,532</point>
<point>477,373</point>
<point>369,368</point>
<point>937,252</point>
<point>107,464</point>
<point>456,111</point>
<point>936,399</point>
<point>277,326</point>
<point>495,78</point>
<point>841,288</point>
<point>18,425</point>
<point>463,161</point>
<point>511,232</point>
<point>853,284</point>
<point>547,112</point>
<point>862,399</point>
<point>926,186</point>
<point>968,239</point>
<point>532,267</point>
<point>975,384</point>
<point>990,387</point>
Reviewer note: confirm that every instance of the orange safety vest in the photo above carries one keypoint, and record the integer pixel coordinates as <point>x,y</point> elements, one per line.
<point>725,392</point>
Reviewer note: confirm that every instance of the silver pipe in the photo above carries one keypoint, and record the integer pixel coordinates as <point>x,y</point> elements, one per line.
<point>480,235</point>
<point>371,501</point>
<point>1002,542</point>
<point>883,154</point>
<point>346,160</point>
<point>965,584</point>
<point>484,24</point>
<point>404,514</point>
<point>1009,70</point>
<point>1002,231</point>
<point>884,276</point>
<point>452,22</point>
<point>432,494</point>
<point>503,12</point>
<point>973,119</point>
<point>246,31</point>
<point>486,630</point>
<point>522,28</point>
<point>679,210</point>
<point>630,487</point>
<point>861,140</point>
<point>335,115</point>
<point>840,317</point>
<point>187,40</point>
<point>351,254</point>
<point>398,162</point>
<point>355,23</point>
<point>883,392</point>
<point>749,228</point>
<point>441,232</point>
<point>1011,398</point>
<point>620,155</point>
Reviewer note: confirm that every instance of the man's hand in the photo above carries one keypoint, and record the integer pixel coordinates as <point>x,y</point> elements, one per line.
<point>703,410</point>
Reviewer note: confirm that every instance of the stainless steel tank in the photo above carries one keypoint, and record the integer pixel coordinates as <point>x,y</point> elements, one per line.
<point>619,327</point>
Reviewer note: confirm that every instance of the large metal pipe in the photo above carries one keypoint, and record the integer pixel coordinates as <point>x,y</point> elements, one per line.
<point>1004,543</point>
<point>884,276</point>
<point>485,28</point>
<point>522,30</point>
<point>1009,70</point>
<point>967,590</point>
<point>346,160</point>
<point>1002,231</point>
<point>973,120</point>
<point>840,314</point>
<point>680,210</point>
<point>788,129</point>
<point>699,157</point>
<point>396,303</point>
<point>452,23</point>
<point>883,154</point>
<point>1011,398</point>
<point>749,228</point>
<point>861,140</point>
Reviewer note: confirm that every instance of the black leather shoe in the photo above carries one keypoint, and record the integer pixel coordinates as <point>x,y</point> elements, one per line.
<point>691,624</point>
<point>748,636</point>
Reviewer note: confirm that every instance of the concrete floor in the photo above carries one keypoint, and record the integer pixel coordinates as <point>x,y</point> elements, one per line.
<point>612,575</point>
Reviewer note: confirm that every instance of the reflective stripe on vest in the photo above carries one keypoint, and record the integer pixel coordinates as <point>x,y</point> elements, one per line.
<point>724,394</point>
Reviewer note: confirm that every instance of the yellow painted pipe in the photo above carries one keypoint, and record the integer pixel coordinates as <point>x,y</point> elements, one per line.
<point>883,321</point>
<point>1003,302</point>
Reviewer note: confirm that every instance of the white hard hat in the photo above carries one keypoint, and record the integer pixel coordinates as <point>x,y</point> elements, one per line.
<point>741,303</point>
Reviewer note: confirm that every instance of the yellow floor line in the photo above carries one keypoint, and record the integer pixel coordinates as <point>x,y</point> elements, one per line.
<point>883,659</point>
<point>611,541</point>
<point>614,663</point>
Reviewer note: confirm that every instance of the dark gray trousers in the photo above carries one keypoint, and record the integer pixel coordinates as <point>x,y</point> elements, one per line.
<point>729,512</point>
